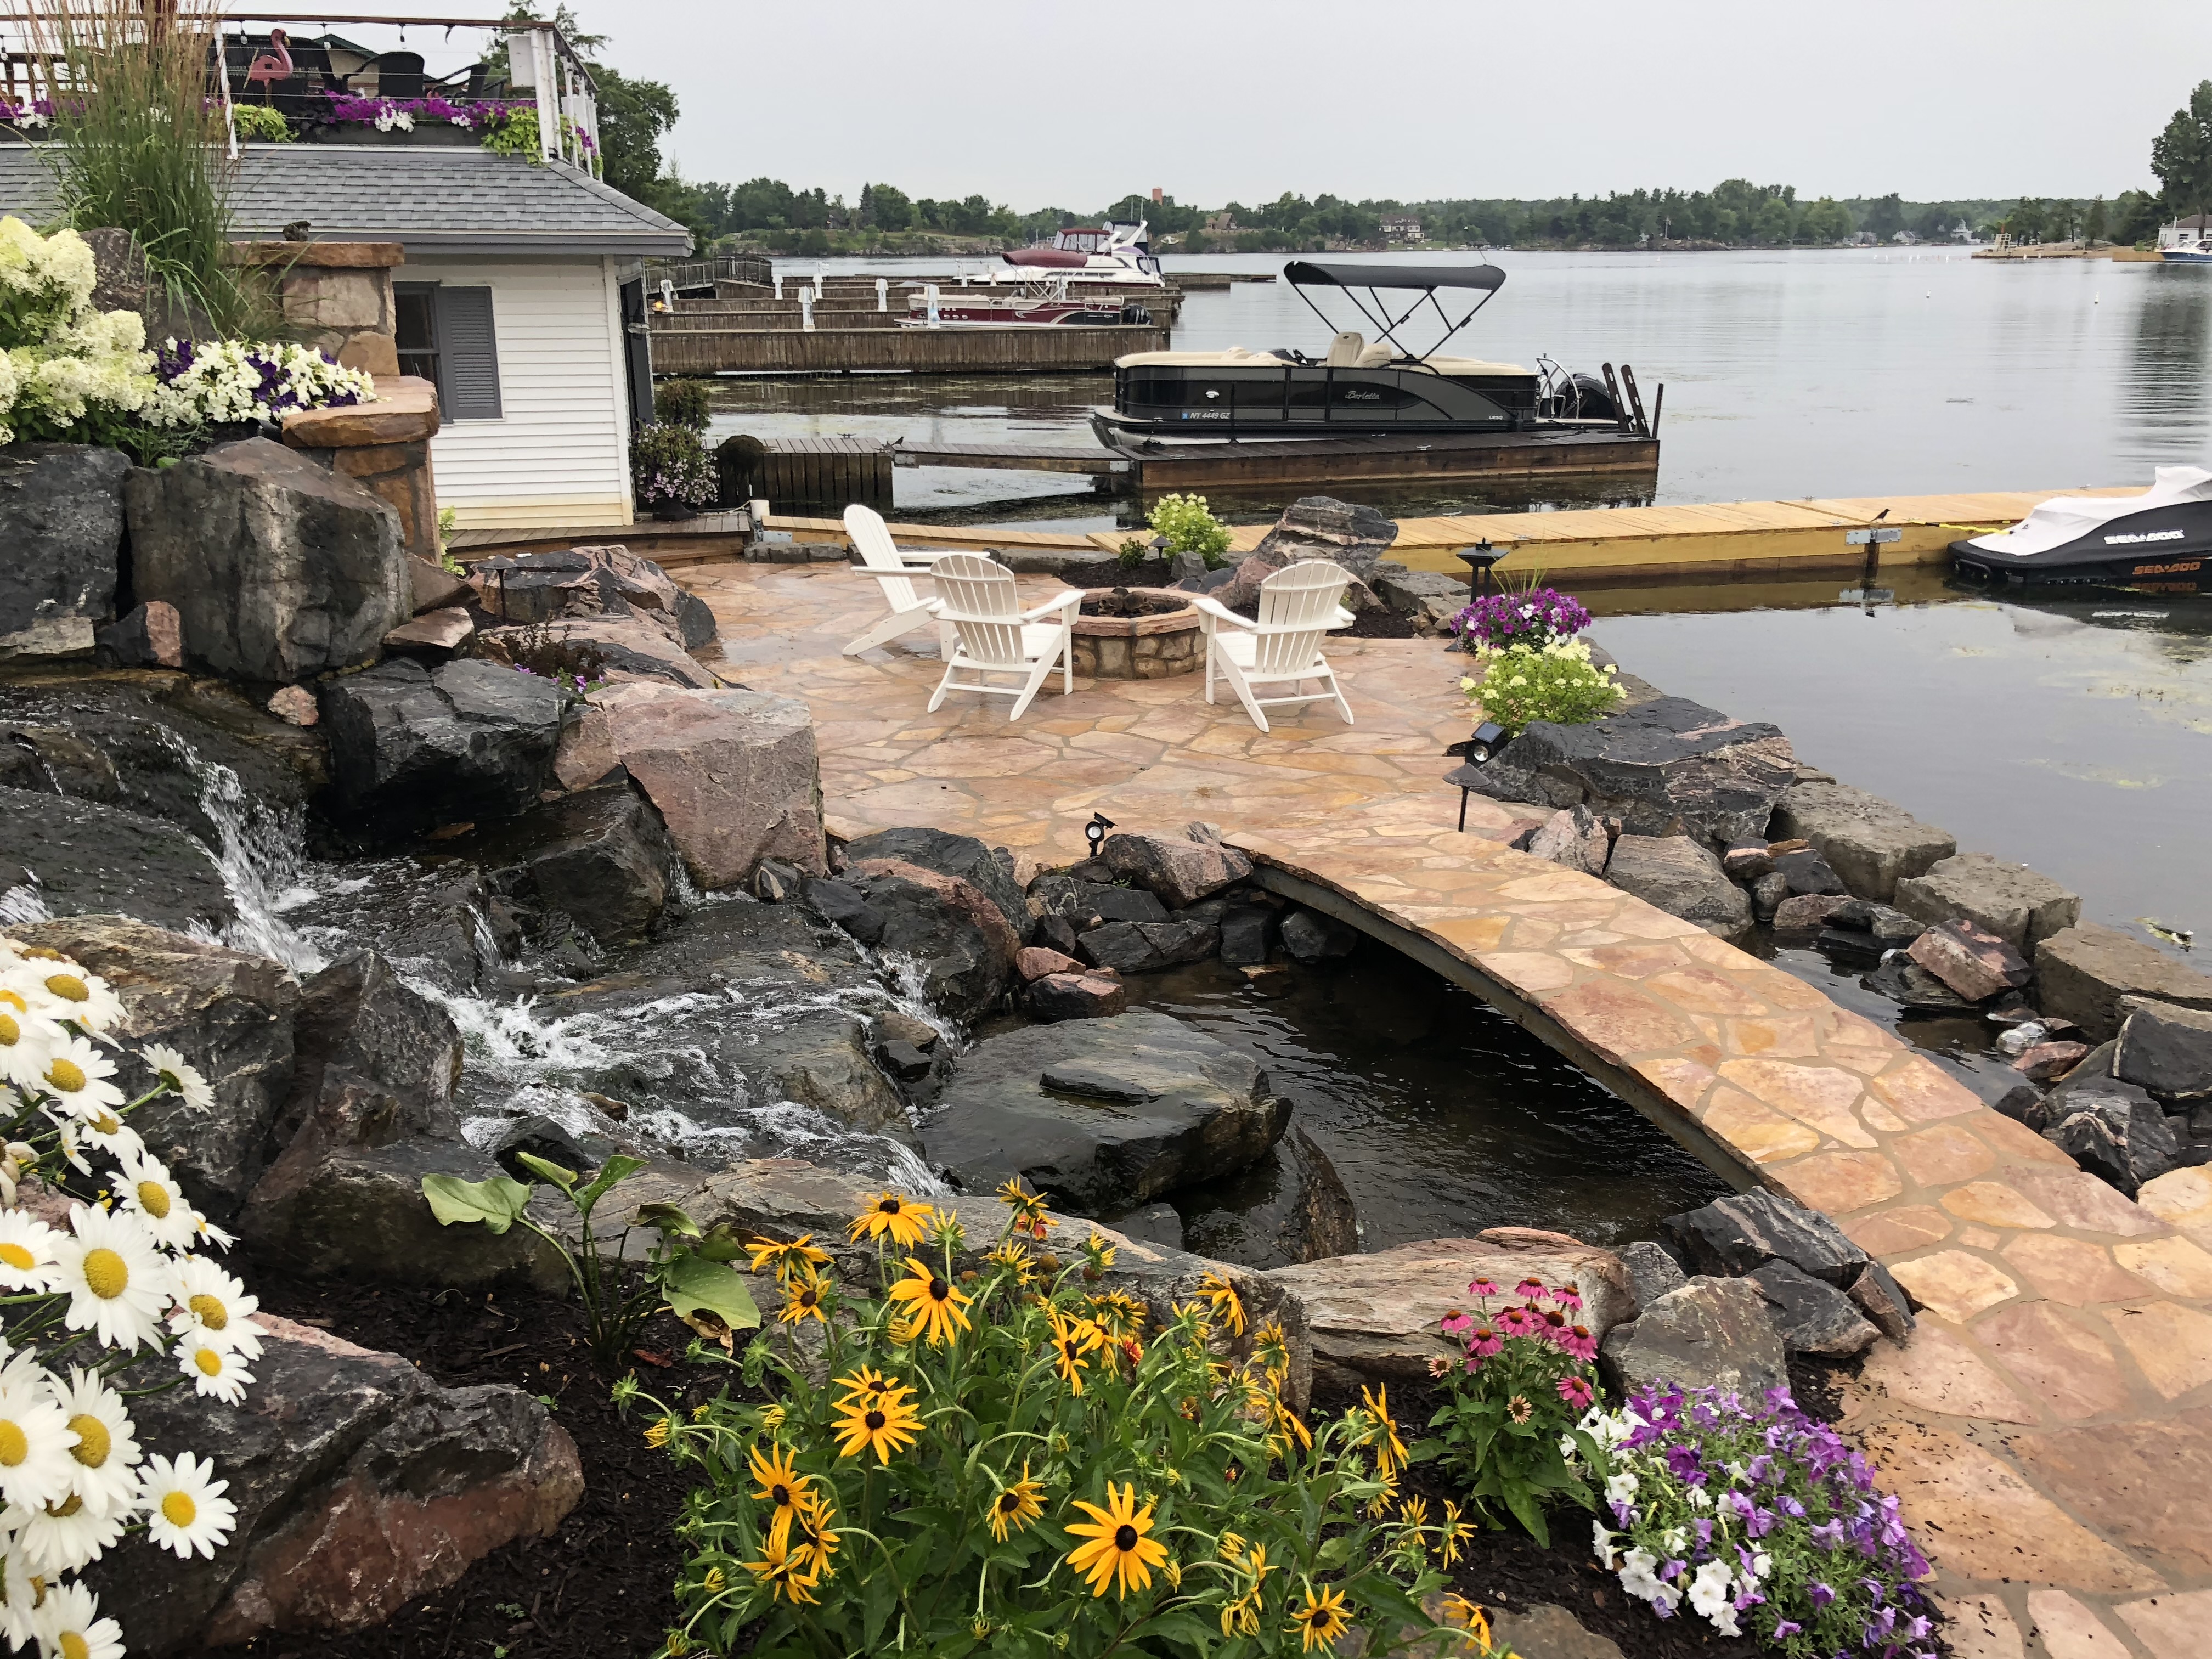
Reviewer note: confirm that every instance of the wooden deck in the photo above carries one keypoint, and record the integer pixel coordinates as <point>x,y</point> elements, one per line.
<point>871,349</point>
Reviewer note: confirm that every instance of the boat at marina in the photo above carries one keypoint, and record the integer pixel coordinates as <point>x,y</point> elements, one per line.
<point>1360,388</point>
<point>2199,255</point>
<point>1119,252</point>
<point>1034,305</point>
<point>2159,541</point>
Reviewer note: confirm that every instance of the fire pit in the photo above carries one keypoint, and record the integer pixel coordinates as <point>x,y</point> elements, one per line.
<point>1136,634</point>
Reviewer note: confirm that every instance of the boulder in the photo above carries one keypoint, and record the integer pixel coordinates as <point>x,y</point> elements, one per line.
<point>1892,929</point>
<point>1669,766</point>
<point>1290,1207</point>
<point>413,747</point>
<point>359,1485</point>
<point>1869,843</point>
<point>2083,970</point>
<point>1180,873</point>
<point>590,582</point>
<point>625,647</point>
<point>2042,1062</point>
<point>1802,913</point>
<point>1107,1114</point>
<point>1248,933</point>
<point>1079,995</point>
<point>2124,1142</point>
<point>1906,982</point>
<point>846,904</point>
<point>1576,837</point>
<point>585,753</point>
<point>451,930</point>
<point>1057,934</point>
<point>1972,961</point>
<point>147,637</point>
<point>1085,903</point>
<point>962,857</point>
<point>433,637</point>
<point>1812,1318</point>
<point>1140,947</point>
<point>1747,860</point>
<point>732,772</point>
<point>373,1063</point>
<point>434,587</point>
<point>1314,528</point>
<point>61,520</point>
<point>228,1013</point>
<point>1712,1333</point>
<point>951,932</point>
<point>1677,875</point>
<point>280,569</point>
<point>1652,1270</point>
<point>1034,963</point>
<point>2011,901</point>
<point>1769,893</point>
<point>1309,936</point>
<point>1375,1318</point>
<point>1883,1300</point>
<point>1807,872</point>
<point>1746,1231</point>
<point>2167,1050</point>
<point>78,857</point>
<point>600,857</point>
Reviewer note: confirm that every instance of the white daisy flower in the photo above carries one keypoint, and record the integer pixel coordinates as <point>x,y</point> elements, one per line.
<point>26,1252</point>
<point>150,1192</point>
<point>217,1372</point>
<point>24,1038</point>
<point>69,992</point>
<point>103,1129</point>
<point>17,1160</point>
<point>34,1440</point>
<point>197,1093</point>
<point>70,1144</point>
<point>69,1625</point>
<point>63,1537</point>
<point>19,1598</point>
<point>107,1450</point>
<point>117,1282</point>
<point>214,1304</point>
<point>211,1234</point>
<point>76,1075</point>
<point>185,1510</point>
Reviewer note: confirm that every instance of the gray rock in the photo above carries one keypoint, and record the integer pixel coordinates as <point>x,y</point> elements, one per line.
<point>1056,933</point>
<point>412,749</point>
<point>847,905</point>
<point>1677,875</point>
<point>1883,1300</point>
<point>1428,595</point>
<point>2083,971</point>
<point>1802,913</point>
<point>1156,1224</point>
<point>1078,996</point>
<point>1309,936</point>
<point>1652,1270</point>
<point>1290,1207</point>
<point>1712,1333</point>
<point>962,857</point>
<point>957,939</point>
<point>599,857</point>
<point>434,587</point>
<point>61,520</point>
<point>775,882</point>
<point>1575,837</point>
<point>373,1063</point>
<point>1906,982</point>
<point>282,569</point>
<point>1812,1318</point>
<point>1140,947</point>
<point>1146,1106</point>
<point>359,1485</point>
<point>1746,861</point>
<point>228,1013</point>
<point>1315,527</point>
<point>1808,873</point>
<point>1768,895</point>
<point>2011,901</point>
<point>626,647</point>
<point>2167,1050</point>
<point>1085,904</point>
<point>1545,1632</point>
<point>1248,932</point>
<point>541,1137</point>
<point>1972,961</point>
<point>903,1060</point>
<point>77,858</point>
<point>1870,844</point>
<point>1893,929</point>
<point>451,929</point>
<point>2111,1128</point>
<point>149,636</point>
<point>1179,872</point>
<point>1745,1231</point>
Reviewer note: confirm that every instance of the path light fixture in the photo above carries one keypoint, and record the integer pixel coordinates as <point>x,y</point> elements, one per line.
<point>1479,560</point>
<point>1095,831</point>
<point>1489,738</point>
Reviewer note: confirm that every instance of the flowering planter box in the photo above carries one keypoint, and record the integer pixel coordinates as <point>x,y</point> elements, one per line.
<point>426,133</point>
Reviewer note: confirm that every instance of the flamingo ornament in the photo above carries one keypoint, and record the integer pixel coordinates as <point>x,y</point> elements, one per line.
<point>269,67</point>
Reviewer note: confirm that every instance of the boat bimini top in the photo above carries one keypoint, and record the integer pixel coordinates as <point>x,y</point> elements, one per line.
<point>1422,280</point>
<point>2072,517</point>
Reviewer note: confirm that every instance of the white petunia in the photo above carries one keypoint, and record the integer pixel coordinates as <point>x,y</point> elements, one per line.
<point>186,1081</point>
<point>1637,1577</point>
<point>76,1075</point>
<point>1621,1488</point>
<point>106,1451</point>
<point>214,1304</point>
<point>1602,1539</point>
<point>1710,1594</point>
<point>26,1252</point>
<point>34,1440</point>
<point>69,1625</point>
<point>62,990</point>
<point>185,1510</point>
<point>217,1372</point>
<point>150,1192</point>
<point>117,1282</point>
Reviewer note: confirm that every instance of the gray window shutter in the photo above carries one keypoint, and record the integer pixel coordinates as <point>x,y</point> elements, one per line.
<point>468,354</point>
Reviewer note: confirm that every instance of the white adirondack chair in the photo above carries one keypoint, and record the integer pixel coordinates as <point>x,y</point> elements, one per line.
<point>993,635</point>
<point>1297,605</point>
<point>880,558</point>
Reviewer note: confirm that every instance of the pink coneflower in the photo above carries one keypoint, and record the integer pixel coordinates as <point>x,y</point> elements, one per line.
<point>1530,1289</point>
<point>1516,1321</point>
<point>1438,1365</point>
<point>1483,1342</point>
<point>1482,1287</point>
<point>1578,1342</point>
<point>1519,1409</point>
<point>1575,1392</point>
<point>1569,1296</point>
<point>1456,1321</point>
<point>1552,1324</point>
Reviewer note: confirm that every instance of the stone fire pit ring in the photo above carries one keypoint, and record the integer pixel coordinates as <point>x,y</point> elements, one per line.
<point>1154,647</point>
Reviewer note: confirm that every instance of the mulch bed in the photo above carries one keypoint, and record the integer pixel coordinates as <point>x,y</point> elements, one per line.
<point>600,1587</point>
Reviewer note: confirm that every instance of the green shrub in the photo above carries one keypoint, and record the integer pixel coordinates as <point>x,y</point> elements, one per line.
<point>259,123</point>
<point>1012,1459</point>
<point>683,402</point>
<point>1554,682</point>
<point>1189,528</point>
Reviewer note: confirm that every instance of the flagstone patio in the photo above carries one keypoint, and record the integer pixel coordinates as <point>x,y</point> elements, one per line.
<point>2048,1428</point>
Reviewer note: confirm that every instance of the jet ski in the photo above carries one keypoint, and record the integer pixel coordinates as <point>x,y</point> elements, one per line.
<point>2160,540</point>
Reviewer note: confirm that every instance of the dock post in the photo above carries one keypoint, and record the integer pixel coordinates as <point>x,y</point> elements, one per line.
<point>963,273</point>
<point>882,295</point>
<point>805,311</point>
<point>929,297</point>
<point>778,285</point>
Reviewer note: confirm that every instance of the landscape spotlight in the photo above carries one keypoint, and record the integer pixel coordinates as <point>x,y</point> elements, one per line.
<point>1095,831</point>
<point>1479,560</point>
<point>1486,742</point>
<point>1488,738</point>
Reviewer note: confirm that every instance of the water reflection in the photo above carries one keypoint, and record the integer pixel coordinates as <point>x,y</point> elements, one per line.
<point>2163,405</point>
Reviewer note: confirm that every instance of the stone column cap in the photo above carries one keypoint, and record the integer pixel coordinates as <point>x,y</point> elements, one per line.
<point>405,411</point>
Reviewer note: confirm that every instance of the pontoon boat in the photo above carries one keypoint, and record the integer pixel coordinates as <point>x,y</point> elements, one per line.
<point>2159,540</point>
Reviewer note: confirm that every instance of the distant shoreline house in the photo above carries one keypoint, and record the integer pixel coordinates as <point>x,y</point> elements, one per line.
<point>521,297</point>
<point>2195,231</point>
<point>1403,230</point>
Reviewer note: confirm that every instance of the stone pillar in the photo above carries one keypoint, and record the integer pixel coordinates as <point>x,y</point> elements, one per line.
<point>338,295</point>
<point>385,447</point>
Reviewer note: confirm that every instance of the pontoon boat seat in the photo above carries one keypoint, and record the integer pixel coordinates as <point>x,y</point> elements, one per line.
<point>1349,349</point>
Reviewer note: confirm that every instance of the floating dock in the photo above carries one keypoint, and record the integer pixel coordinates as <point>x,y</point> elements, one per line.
<point>702,343</point>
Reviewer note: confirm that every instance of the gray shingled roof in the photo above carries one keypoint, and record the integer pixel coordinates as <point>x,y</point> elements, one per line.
<point>455,200</point>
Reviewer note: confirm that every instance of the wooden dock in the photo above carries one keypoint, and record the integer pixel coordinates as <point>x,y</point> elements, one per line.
<point>866,349</point>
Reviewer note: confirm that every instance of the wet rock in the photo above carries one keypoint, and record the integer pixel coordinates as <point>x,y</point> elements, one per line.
<point>1034,961</point>
<point>1883,1300</point>
<point>1747,862</point>
<point>61,520</point>
<point>1138,1106</point>
<point>1893,927</point>
<point>1082,995</point>
<point>373,1063</point>
<point>1055,933</point>
<point>295,705</point>
<point>1906,982</point>
<point>951,930</point>
<point>434,587</point>
<point>2167,1050</point>
<point>2123,1142</point>
<point>1807,873</point>
<point>1712,1333</point>
<point>896,1022</point>
<point>1652,1270</point>
<point>903,1060</point>
<point>551,1142</point>
<point>1290,1207</point>
<point>280,568</point>
<point>1677,875</point>
<point>775,882</point>
<point>1972,961</point>
<point>1812,1318</point>
<point>1575,837</point>
<point>1851,946</point>
<point>962,857</point>
<point>412,749</point>
<point>732,772</point>
<point>148,636</point>
<point>600,857</point>
<point>1375,1318</point>
<point>433,637</point>
<point>1179,872</point>
<point>76,858</point>
<point>229,1013</point>
<point>1248,932</point>
<point>628,648</point>
<point>1869,843</point>
<point>1802,913</point>
<point>1669,766</point>
<point>1156,1224</point>
<point>1085,904</point>
<point>443,924</point>
<point>1140,947</point>
<point>1768,895</point>
<point>2083,971</point>
<point>2044,1062</point>
<point>2011,901</point>
<point>846,904</point>
<point>361,1485</point>
<point>1745,1231</point>
<point>1309,936</point>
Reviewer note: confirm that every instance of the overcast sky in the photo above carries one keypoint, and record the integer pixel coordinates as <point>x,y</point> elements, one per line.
<point>1075,106</point>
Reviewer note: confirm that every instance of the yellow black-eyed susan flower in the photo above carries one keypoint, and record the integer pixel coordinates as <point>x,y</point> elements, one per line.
<point>783,1572</point>
<point>1222,1296</point>
<point>1390,1454</point>
<point>804,1298</point>
<point>1320,1620</point>
<point>786,1259</point>
<point>1012,1509</point>
<point>1119,1553</point>
<point>899,1219</point>
<point>884,1423</point>
<point>781,1485</point>
<point>1072,1340</point>
<point>932,1305</point>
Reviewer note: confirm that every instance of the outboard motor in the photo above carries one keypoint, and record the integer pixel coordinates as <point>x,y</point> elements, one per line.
<point>1134,313</point>
<point>1581,397</point>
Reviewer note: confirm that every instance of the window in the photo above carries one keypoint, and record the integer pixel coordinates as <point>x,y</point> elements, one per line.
<point>444,335</point>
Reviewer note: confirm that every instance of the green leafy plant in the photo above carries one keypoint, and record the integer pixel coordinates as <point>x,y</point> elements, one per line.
<point>1132,553</point>
<point>1509,1420</point>
<point>447,519</point>
<point>1190,528</point>
<point>1011,1456</point>
<point>1555,681</point>
<point>260,123</point>
<point>684,402</point>
<point>691,1279</point>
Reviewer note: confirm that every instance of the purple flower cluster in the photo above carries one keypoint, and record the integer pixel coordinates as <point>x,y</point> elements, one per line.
<point>472,114</point>
<point>1536,616</point>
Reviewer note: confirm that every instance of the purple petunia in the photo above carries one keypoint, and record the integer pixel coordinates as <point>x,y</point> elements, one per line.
<point>1533,618</point>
